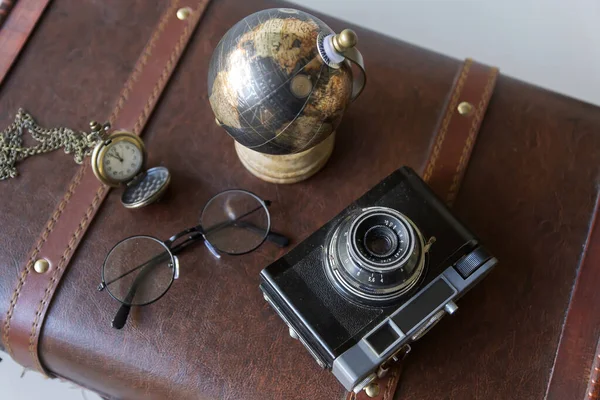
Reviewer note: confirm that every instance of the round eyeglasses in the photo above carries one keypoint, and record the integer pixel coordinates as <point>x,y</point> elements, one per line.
<point>139,270</point>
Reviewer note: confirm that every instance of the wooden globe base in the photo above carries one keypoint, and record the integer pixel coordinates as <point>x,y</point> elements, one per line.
<point>289,168</point>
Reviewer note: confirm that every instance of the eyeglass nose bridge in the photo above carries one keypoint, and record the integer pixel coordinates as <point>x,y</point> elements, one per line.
<point>212,249</point>
<point>190,231</point>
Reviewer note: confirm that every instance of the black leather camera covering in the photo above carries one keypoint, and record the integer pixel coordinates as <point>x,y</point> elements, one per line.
<point>325,319</point>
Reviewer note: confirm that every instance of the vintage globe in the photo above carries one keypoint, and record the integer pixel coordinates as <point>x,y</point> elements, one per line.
<point>270,89</point>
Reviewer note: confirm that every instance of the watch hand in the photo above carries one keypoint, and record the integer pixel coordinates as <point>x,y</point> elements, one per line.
<point>116,155</point>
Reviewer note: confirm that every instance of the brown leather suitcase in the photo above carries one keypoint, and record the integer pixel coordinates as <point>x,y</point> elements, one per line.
<point>530,330</point>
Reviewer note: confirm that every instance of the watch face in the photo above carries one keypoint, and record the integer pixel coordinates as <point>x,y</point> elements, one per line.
<point>122,160</point>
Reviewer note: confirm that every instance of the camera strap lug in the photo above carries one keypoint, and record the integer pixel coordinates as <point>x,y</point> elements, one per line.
<point>429,243</point>
<point>398,356</point>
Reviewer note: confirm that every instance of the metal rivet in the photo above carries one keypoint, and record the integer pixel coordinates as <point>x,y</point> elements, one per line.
<point>41,266</point>
<point>465,108</point>
<point>372,390</point>
<point>184,13</point>
<point>218,122</point>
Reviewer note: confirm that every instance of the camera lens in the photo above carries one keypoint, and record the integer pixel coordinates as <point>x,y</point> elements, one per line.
<point>380,241</point>
<point>375,255</point>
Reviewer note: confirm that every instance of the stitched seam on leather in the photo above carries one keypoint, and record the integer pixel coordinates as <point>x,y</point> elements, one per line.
<point>391,385</point>
<point>74,183</point>
<point>54,280</point>
<point>446,121</point>
<point>120,103</point>
<point>33,254</point>
<point>594,383</point>
<point>76,180</point>
<point>141,62</point>
<point>157,89</point>
<point>431,162</point>
<point>164,76</point>
<point>464,157</point>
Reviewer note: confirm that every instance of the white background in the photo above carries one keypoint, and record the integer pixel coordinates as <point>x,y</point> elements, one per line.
<point>552,43</point>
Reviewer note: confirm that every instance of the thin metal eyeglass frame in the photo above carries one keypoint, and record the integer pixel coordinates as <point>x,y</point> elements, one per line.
<point>195,234</point>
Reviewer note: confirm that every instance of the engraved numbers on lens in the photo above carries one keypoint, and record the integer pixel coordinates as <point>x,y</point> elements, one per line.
<point>375,255</point>
<point>122,161</point>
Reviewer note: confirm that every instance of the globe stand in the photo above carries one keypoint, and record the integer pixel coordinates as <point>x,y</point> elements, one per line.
<point>287,168</point>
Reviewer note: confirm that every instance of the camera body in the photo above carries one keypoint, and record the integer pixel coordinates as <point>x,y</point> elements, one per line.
<point>375,278</point>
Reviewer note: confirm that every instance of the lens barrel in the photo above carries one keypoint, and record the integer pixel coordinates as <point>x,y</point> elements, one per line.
<point>375,256</point>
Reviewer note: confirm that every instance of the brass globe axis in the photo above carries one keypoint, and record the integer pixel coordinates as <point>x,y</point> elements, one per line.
<point>345,40</point>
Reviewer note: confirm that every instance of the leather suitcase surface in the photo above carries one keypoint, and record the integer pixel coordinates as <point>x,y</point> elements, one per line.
<point>529,192</point>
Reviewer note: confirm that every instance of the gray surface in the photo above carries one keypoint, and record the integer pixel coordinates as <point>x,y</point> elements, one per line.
<point>34,386</point>
<point>550,43</point>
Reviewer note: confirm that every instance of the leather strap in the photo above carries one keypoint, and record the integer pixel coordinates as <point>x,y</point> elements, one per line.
<point>458,128</point>
<point>71,218</point>
<point>579,346</point>
<point>5,7</point>
<point>593,391</point>
<point>17,20</point>
<point>387,386</point>
<point>449,155</point>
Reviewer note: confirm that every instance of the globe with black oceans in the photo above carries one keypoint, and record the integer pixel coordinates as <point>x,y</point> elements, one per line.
<point>270,89</point>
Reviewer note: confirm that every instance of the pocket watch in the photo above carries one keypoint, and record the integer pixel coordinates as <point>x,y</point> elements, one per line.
<point>119,160</point>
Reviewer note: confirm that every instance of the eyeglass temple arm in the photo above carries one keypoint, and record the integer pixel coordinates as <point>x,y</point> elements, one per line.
<point>278,239</point>
<point>194,232</point>
<point>197,233</point>
<point>122,314</point>
<point>161,257</point>
<point>197,230</point>
<point>273,237</point>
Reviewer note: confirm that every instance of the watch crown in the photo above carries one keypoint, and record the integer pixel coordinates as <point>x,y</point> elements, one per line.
<point>98,130</point>
<point>95,126</point>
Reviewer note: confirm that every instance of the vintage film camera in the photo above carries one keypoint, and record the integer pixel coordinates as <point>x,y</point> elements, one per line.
<point>375,278</point>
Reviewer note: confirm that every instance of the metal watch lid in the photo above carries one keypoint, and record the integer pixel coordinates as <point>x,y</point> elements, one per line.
<point>146,189</point>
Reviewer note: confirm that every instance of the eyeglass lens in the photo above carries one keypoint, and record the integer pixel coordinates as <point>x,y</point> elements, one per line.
<point>138,270</point>
<point>235,221</point>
